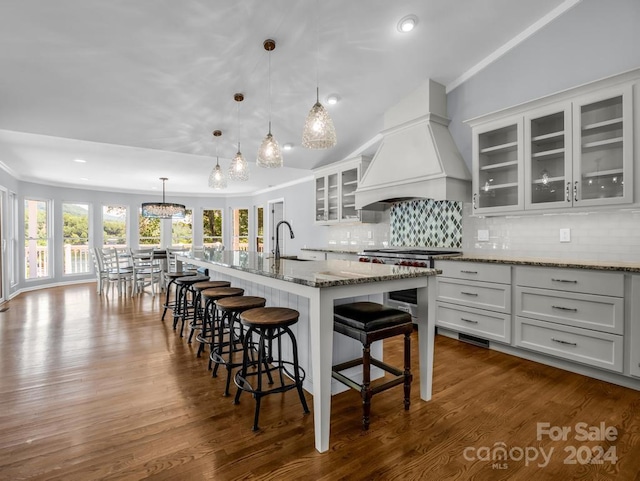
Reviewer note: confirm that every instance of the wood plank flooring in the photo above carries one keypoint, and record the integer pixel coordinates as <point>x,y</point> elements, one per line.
<point>99,388</point>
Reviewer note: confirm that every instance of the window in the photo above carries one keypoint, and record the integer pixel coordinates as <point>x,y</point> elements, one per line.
<point>114,226</point>
<point>211,227</point>
<point>149,231</point>
<point>182,230</point>
<point>36,239</point>
<point>15,239</point>
<point>240,229</point>
<point>260,229</point>
<point>75,238</point>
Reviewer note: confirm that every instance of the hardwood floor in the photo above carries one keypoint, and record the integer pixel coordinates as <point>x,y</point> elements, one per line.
<point>100,388</point>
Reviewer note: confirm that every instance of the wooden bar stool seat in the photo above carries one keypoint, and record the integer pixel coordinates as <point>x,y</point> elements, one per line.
<point>228,352</point>
<point>210,315</point>
<point>369,322</point>
<point>269,324</point>
<point>198,287</point>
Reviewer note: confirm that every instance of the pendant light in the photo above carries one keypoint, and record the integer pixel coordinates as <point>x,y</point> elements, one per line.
<point>269,153</point>
<point>217,181</point>
<point>163,210</point>
<point>238,170</point>
<point>318,132</point>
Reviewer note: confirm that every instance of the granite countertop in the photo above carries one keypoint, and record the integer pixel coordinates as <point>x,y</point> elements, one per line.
<point>633,267</point>
<point>310,273</point>
<point>336,250</point>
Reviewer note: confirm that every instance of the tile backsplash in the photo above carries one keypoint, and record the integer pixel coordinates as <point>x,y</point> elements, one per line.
<point>426,222</point>
<point>421,222</point>
<point>612,235</point>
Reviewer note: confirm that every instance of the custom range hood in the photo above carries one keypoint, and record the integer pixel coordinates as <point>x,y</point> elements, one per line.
<point>417,157</point>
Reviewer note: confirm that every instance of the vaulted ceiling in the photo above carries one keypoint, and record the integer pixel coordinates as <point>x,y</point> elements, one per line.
<point>135,88</point>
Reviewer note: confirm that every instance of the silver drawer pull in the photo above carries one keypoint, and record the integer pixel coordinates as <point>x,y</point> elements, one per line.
<point>469,272</point>
<point>469,293</point>
<point>565,280</point>
<point>564,342</point>
<point>469,320</point>
<point>562,308</point>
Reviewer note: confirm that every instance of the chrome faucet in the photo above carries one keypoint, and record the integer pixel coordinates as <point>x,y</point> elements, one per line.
<point>277,250</point>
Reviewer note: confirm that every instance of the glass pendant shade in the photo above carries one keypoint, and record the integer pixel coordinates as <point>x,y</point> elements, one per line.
<point>239,169</point>
<point>217,179</point>
<point>269,153</point>
<point>318,132</point>
<point>163,210</point>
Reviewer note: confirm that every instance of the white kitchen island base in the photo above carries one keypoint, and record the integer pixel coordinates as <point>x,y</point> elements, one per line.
<point>323,283</point>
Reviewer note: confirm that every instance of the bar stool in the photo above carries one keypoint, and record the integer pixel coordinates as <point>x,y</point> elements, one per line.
<point>198,287</point>
<point>270,324</point>
<point>185,310</point>
<point>172,276</point>
<point>223,352</point>
<point>210,316</point>
<point>368,322</point>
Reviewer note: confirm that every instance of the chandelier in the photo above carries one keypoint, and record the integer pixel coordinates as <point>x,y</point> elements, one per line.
<point>269,153</point>
<point>217,180</point>
<point>163,210</point>
<point>238,170</point>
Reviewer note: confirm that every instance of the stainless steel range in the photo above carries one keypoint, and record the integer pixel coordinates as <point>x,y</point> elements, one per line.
<point>405,300</point>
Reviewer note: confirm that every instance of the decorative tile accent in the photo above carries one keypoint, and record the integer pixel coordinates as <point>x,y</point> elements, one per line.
<point>426,222</point>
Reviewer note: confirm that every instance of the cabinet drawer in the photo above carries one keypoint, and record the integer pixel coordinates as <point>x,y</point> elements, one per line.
<point>475,271</point>
<point>595,348</point>
<point>601,313</point>
<point>478,322</point>
<point>571,280</point>
<point>484,295</point>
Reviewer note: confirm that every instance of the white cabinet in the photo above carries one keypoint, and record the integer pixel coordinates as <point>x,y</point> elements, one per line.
<point>335,188</point>
<point>634,341</point>
<point>498,166</point>
<point>573,149</point>
<point>474,299</point>
<point>572,314</point>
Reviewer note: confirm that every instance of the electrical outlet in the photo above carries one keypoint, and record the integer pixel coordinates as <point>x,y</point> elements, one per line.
<point>565,235</point>
<point>483,235</point>
<point>369,234</point>
<point>348,234</point>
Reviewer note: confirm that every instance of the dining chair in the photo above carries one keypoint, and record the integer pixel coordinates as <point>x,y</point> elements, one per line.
<point>120,274</point>
<point>102,275</point>
<point>147,271</point>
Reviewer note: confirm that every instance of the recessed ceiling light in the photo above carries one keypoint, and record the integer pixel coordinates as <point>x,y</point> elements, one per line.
<point>408,23</point>
<point>84,178</point>
<point>333,99</point>
<point>80,161</point>
<point>287,146</point>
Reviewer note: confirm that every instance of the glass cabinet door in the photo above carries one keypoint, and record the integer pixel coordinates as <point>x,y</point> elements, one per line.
<point>498,168</point>
<point>548,158</point>
<point>321,194</point>
<point>602,148</point>
<point>332,197</point>
<point>348,195</point>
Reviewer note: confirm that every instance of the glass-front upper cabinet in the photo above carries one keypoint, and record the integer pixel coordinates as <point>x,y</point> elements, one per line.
<point>348,195</point>
<point>548,171</point>
<point>498,160</point>
<point>602,144</point>
<point>321,194</point>
<point>327,198</point>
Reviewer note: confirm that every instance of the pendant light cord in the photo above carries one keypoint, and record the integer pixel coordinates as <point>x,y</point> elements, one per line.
<point>317,52</point>
<point>269,92</point>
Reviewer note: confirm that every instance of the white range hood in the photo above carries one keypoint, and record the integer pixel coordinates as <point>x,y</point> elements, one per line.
<point>417,157</point>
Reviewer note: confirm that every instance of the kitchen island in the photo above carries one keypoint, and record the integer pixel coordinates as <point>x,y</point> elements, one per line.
<point>320,284</point>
